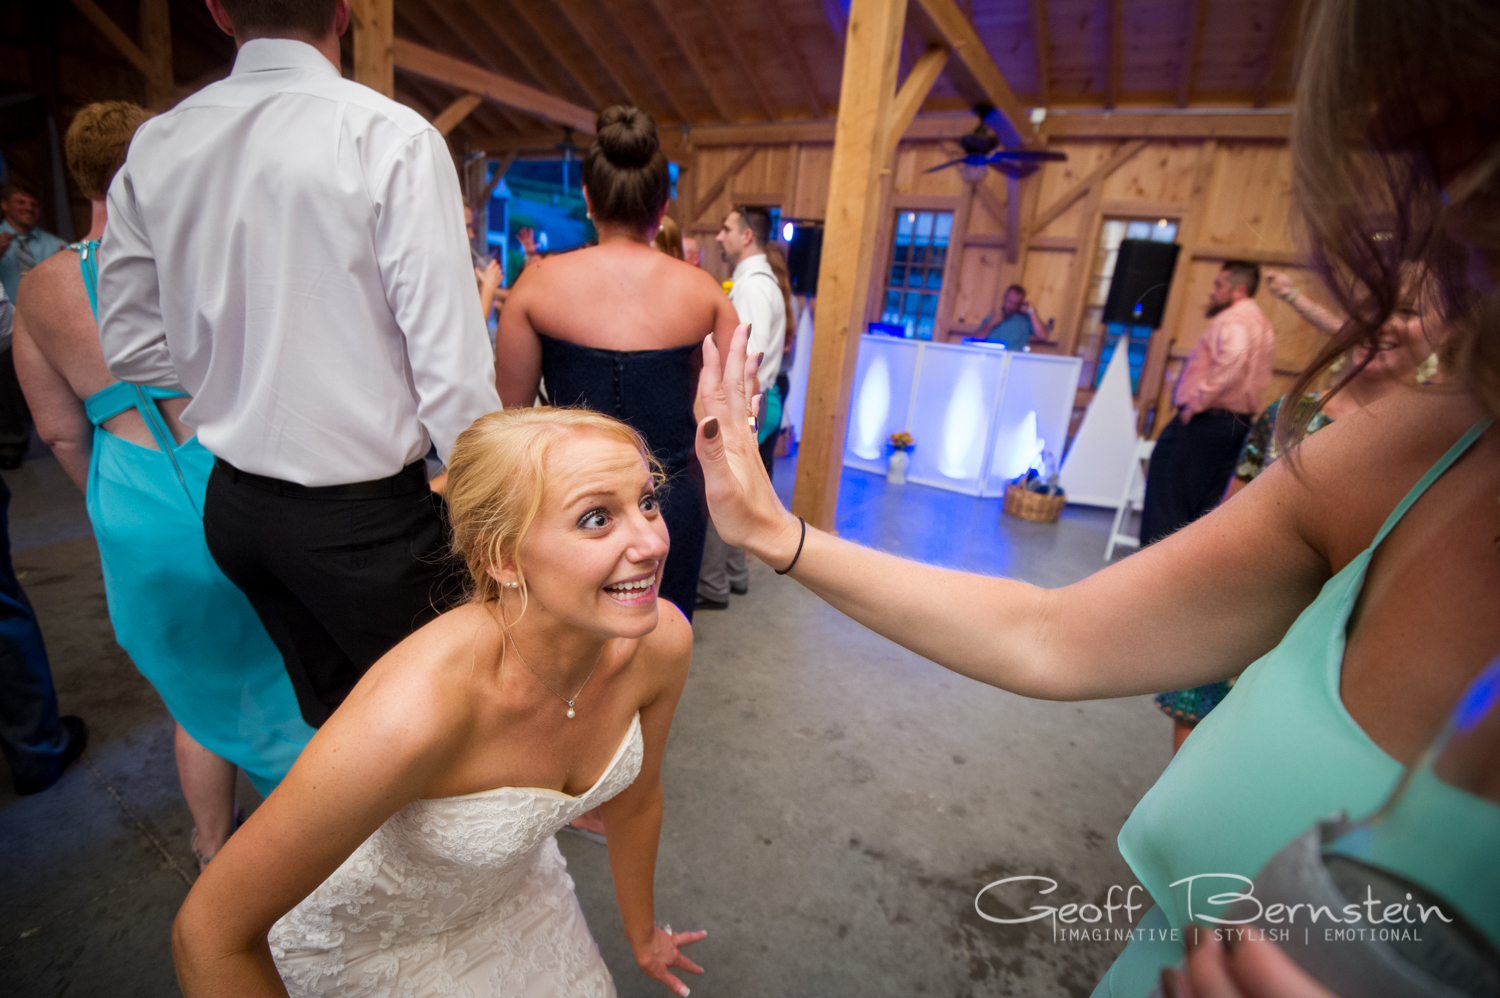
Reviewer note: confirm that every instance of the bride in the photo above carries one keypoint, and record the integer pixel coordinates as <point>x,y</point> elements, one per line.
<point>409,851</point>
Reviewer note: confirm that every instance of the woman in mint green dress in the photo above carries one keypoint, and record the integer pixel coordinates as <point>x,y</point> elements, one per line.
<point>184,625</point>
<point>1355,586</point>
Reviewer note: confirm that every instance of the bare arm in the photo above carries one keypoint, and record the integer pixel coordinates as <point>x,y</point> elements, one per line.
<point>1197,607</point>
<point>633,817</point>
<point>379,752</point>
<point>61,420</point>
<point>518,349</point>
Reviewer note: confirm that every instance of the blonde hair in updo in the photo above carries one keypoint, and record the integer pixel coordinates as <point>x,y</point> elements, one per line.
<point>497,483</point>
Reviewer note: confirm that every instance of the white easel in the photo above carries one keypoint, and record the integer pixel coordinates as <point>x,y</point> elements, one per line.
<point>1133,499</point>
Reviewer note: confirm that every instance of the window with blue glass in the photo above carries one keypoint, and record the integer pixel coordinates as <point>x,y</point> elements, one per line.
<point>1099,341</point>
<point>915,280</point>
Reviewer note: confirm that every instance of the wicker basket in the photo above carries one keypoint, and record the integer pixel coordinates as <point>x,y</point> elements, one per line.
<point>1035,506</point>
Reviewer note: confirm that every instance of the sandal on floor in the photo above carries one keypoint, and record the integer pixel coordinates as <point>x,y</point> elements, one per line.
<point>193,840</point>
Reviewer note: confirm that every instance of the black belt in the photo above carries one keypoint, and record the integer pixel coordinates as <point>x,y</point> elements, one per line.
<point>410,479</point>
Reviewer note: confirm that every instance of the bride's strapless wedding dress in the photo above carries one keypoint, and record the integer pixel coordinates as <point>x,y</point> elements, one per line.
<point>458,896</point>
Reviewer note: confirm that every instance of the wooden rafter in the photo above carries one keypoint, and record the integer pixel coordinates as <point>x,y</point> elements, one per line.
<point>1197,11</point>
<point>450,116</point>
<point>603,41</point>
<point>1084,186</point>
<point>694,58</point>
<point>786,46</point>
<point>643,48</point>
<point>914,90</point>
<point>723,180</point>
<point>153,57</point>
<point>445,68</point>
<point>439,34</point>
<point>552,43</point>
<point>1115,40</point>
<point>745,67</point>
<point>494,181</point>
<point>1283,36</point>
<point>1041,46</point>
<point>964,41</point>
<point>497,18</point>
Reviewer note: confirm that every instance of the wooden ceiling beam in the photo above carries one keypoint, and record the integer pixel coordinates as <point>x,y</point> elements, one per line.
<point>1114,33</point>
<point>1041,45</point>
<point>438,34</point>
<point>744,66</point>
<point>506,34</point>
<point>723,180</point>
<point>445,68</point>
<point>450,116</point>
<point>153,57</point>
<point>643,48</point>
<point>695,59</point>
<point>374,30</point>
<point>1197,13</point>
<point>1283,36</point>
<point>604,44</point>
<point>1015,125</point>
<point>786,47</point>
<point>552,43</point>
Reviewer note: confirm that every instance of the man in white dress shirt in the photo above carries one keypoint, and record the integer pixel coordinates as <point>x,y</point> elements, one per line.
<point>289,247</point>
<point>757,298</point>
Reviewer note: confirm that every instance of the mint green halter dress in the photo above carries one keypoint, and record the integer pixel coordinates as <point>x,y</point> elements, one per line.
<point>1279,754</point>
<point>186,627</point>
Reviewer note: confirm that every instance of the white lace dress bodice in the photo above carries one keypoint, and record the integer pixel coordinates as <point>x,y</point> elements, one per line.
<point>464,896</point>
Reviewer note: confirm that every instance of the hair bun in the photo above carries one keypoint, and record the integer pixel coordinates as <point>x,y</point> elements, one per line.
<point>627,136</point>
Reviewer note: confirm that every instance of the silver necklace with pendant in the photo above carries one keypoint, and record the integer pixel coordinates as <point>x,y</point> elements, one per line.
<point>571,712</point>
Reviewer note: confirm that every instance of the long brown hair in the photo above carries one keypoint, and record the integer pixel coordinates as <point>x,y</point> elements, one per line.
<point>777,260</point>
<point>1385,93</point>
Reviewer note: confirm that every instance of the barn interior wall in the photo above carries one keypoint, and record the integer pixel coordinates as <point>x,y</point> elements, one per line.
<point>1230,197</point>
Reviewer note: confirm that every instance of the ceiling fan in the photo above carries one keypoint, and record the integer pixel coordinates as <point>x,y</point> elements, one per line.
<point>982,152</point>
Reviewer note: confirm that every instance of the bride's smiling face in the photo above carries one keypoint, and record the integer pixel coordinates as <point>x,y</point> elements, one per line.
<point>594,554</point>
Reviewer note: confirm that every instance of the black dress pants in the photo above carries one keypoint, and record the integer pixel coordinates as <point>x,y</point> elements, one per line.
<point>32,737</point>
<point>1190,470</point>
<point>338,574</point>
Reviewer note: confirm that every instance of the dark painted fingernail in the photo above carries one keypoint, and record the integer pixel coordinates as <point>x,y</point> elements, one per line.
<point>711,428</point>
<point>1169,985</point>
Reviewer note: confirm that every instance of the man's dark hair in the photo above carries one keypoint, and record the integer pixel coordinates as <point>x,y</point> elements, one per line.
<point>1245,274</point>
<point>18,187</point>
<point>757,220</point>
<point>1016,287</point>
<point>311,17</point>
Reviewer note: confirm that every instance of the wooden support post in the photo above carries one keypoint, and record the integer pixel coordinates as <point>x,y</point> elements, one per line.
<point>156,41</point>
<point>374,45</point>
<point>871,56</point>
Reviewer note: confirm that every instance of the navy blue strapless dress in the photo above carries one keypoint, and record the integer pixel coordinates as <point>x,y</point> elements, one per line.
<point>653,391</point>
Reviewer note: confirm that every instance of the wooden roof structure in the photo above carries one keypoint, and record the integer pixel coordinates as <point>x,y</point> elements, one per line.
<point>534,66</point>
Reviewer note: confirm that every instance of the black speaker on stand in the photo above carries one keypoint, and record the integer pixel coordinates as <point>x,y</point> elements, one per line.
<point>1143,275</point>
<point>803,256</point>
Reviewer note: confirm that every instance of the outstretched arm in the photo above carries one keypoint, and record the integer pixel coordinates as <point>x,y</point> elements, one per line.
<point>633,817</point>
<point>1195,608</point>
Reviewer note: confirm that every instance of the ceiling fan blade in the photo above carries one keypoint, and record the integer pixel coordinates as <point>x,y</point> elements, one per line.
<point>944,166</point>
<point>1016,170</point>
<point>1031,155</point>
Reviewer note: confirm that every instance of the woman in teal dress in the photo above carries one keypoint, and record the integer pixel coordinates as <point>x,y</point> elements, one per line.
<point>1403,353</point>
<point>185,626</point>
<point>1354,585</point>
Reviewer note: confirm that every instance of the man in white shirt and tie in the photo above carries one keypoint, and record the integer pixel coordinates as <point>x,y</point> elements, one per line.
<point>757,298</point>
<point>289,247</point>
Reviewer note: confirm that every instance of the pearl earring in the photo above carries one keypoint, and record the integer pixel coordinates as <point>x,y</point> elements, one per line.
<point>512,585</point>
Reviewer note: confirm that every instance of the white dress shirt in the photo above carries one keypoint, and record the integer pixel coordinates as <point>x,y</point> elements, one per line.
<point>756,297</point>
<point>289,247</point>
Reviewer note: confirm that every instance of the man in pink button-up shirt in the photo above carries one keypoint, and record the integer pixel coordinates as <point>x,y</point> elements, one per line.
<point>1217,398</point>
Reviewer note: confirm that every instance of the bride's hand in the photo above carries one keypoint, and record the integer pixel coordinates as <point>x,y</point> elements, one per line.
<point>660,955</point>
<point>741,501</point>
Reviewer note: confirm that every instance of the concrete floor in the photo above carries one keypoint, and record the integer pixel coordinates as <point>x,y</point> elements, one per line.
<point>834,802</point>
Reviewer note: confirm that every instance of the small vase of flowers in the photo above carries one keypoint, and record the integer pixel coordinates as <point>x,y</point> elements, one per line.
<point>901,445</point>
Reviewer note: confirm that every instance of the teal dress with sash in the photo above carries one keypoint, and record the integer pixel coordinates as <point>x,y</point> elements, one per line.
<point>1278,755</point>
<point>186,627</point>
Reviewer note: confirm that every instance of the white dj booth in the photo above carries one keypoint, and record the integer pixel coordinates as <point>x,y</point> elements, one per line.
<point>979,413</point>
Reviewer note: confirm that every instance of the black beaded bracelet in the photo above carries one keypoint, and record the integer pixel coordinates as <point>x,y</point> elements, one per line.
<point>803,540</point>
